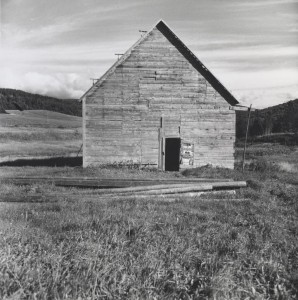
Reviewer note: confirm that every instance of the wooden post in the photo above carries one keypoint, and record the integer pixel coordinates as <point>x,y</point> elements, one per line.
<point>161,144</point>
<point>244,150</point>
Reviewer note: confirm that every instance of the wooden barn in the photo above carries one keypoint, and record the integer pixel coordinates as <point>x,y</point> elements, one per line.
<point>158,105</point>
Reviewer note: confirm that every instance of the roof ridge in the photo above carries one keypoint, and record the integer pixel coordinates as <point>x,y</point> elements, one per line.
<point>197,64</point>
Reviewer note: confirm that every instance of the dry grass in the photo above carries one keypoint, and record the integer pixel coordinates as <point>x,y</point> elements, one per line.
<point>39,134</point>
<point>36,134</point>
<point>146,249</point>
<point>72,246</point>
<point>39,118</point>
<point>105,172</point>
<point>60,243</point>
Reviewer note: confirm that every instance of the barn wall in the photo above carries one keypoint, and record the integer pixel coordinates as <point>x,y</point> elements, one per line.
<point>122,117</point>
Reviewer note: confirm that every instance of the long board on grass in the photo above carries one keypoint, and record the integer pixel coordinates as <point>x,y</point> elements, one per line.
<point>121,183</point>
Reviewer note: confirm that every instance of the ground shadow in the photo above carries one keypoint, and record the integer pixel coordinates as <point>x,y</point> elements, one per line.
<point>46,162</point>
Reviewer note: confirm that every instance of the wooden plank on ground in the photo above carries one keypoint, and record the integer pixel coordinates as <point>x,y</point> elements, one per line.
<point>104,183</point>
<point>134,185</point>
<point>141,189</point>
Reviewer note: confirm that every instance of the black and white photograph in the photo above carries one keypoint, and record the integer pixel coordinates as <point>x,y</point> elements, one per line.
<point>148,149</point>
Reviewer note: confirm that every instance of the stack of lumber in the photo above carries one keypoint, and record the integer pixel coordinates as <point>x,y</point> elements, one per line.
<point>106,184</point>
<point>122,189</point>
<point>119,188</point>
<point>170,191</point>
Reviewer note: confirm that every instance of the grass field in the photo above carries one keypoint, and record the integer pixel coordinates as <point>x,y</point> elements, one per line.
<point>67,243</point>
<point>39,118</point>
<point>37,133</point>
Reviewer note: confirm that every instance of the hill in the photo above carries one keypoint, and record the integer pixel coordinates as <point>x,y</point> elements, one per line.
<point>32,119</point>
<point>38,134</point>
<point>274,120</point>
<point>11,99</point>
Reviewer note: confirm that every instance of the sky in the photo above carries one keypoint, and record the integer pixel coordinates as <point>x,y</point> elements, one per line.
<point>54,47</point>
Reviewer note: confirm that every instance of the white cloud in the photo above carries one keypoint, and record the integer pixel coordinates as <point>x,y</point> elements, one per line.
<point>260,3</point>
<point>54,47</point>
<point>260,88</point>
<point>255,52</point>
<point>264,88</point>
<point>69,21</point>
<point>263,79</point>
<point>261,98</point>
<point>69,85</point>
<point>15,35</point>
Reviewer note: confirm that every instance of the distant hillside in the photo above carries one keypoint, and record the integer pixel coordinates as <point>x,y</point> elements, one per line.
<point>282,118</point>
<point>16,99</point>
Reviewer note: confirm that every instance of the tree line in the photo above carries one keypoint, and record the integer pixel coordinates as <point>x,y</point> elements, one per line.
<point>282,118</point>
<point>11,99</point>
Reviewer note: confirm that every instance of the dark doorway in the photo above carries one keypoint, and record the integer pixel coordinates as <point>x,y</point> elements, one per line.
<point>172,154</point>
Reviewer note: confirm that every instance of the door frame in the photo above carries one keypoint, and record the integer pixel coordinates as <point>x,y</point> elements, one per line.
<point>162,149</point>
<point>162,142</point>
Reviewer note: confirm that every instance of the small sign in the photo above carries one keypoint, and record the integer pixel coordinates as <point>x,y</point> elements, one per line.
<point>186,153</point>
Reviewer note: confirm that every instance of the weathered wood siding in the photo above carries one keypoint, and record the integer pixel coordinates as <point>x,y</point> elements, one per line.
<point>122,117</point>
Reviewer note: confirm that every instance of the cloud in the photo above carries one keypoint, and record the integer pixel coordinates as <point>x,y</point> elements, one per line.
<point>264,79</point>
<point>261,98</point>
<point>15,35</point>
<point>57,85</point>
<point>251,59</point>
<point>54,47</point>
<point>260,3</point>
<point>263,88</point>
<point>68,22</point>
<point>257,51</point>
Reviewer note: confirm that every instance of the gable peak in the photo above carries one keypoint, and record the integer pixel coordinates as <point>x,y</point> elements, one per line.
<point>184,50</point>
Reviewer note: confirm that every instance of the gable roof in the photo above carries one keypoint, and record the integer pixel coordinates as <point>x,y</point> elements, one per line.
<point>182,48</point>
